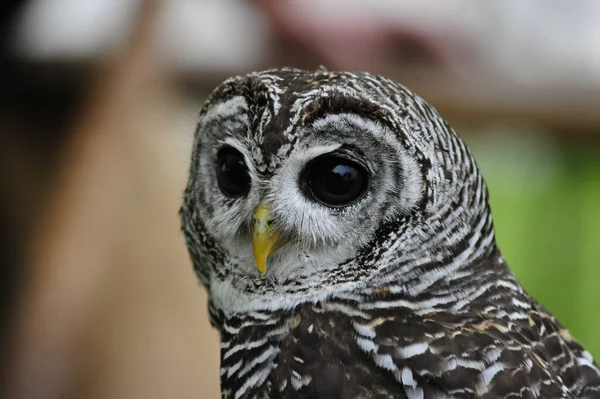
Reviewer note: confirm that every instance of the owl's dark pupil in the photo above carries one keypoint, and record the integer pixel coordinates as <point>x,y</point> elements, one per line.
<point>232,173</point>
<point>335,181</point>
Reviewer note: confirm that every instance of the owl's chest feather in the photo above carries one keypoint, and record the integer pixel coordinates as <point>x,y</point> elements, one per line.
<point>335,350</point>
<point>309,353</point>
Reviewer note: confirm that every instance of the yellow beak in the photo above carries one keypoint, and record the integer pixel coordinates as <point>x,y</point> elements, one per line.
<point>264,237</point>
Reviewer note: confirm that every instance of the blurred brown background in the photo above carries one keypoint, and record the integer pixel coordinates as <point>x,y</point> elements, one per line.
<point>98,101</point>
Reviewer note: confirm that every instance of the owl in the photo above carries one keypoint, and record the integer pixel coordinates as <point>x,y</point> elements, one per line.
<point>343,233</point>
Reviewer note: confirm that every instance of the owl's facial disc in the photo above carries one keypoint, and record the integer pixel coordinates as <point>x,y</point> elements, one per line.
<point>317,207</point>
<point>283,215</point>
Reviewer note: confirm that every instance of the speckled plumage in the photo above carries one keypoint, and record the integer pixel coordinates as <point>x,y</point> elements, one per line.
<point>401,295</point>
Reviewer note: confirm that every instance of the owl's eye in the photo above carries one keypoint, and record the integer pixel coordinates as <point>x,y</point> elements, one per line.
<point>335,181</point>
<point>232,173</point>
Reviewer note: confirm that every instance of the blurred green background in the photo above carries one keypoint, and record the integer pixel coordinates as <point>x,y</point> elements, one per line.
<point>545,194</point>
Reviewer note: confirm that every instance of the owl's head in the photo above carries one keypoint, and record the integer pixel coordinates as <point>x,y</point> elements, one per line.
<point>303,184</point>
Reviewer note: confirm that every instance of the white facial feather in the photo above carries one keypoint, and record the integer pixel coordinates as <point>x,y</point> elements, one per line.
<point>320,239</point>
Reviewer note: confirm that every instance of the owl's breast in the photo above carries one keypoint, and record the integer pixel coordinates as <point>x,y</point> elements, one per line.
<point>310,352</point>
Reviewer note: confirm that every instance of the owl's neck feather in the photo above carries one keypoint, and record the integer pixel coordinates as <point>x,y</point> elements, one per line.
<point>231,299</point>
<point>455,277</point>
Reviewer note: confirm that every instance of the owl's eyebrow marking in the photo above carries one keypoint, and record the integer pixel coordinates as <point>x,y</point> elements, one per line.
<point>323,106</point>
<point>351,152</point>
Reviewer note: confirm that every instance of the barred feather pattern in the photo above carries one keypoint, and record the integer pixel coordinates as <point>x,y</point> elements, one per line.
<point>490,341</point>
<point>493,342</point>
<point>426,309</point>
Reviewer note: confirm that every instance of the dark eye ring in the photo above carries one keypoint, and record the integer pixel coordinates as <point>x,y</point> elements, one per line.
<point>335,180</point>
<point>232,173</point>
